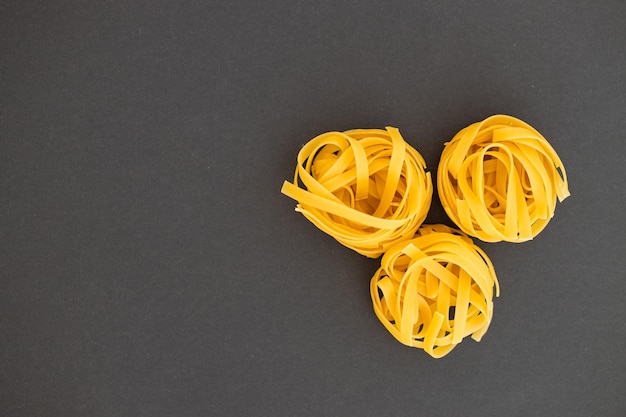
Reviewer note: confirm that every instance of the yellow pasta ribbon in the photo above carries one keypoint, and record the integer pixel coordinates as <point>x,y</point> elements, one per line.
<point>367,188</point>
<point>435,289</point>
<point>499,179</point>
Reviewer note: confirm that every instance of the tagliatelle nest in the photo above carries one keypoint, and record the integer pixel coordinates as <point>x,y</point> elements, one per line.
<point>435,289</point>
<point>367,188</point>
<point>499,179</point>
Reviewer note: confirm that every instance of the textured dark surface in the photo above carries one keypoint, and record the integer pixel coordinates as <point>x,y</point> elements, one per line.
<point>150,266</point>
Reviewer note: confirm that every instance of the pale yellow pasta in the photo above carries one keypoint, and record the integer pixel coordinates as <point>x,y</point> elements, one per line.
<point>367,188</point>
<point>499,179</point>
<point>434,290</point>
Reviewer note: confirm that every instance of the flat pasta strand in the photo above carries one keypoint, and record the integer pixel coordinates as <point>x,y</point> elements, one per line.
<point>367,188</point>
<point>499,180</point>
<point>434,290</point>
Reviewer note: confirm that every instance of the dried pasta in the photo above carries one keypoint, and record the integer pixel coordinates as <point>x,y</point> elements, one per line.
<point>499,179</point>
<point>435,289</point>
<point>367,188</point>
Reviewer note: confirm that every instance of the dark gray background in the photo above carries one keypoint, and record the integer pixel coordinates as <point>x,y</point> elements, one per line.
<point>150,266</point>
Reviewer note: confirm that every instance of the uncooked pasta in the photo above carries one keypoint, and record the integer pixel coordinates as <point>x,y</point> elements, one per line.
<point>499,179</point>
<point>367,188</point>
<point>434,290</point>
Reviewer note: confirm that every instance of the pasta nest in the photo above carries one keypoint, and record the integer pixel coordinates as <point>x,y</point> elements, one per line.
<point>367,188</point>
<point>499,180</point>
<point>435,289</point>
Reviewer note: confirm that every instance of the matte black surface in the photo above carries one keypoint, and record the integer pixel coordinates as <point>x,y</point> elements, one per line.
<point>150,266</point>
